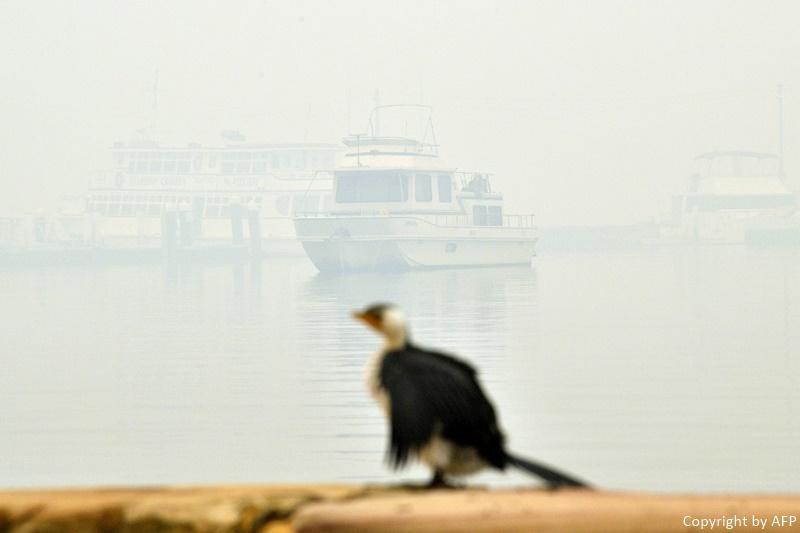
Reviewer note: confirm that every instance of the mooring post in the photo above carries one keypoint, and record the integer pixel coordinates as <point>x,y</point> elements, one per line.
<point>169,229</point>
<point>237,214</point>
<point>254,226</point>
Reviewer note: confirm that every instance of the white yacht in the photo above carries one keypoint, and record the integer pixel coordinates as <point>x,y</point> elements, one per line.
<point>735,197</point>
<point>397,205</point>
<point>217,194</point>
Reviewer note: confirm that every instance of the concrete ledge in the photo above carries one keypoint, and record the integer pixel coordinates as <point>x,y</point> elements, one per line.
<point>333,508</point>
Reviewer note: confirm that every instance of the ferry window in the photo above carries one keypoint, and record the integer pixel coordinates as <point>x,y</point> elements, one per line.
<point>479,215</point>
<point>212,160</point>
<point>183,166</point>
<point>368,187</point>
<point>445,187</point>
<point>494,216</point>
<point>259,167</point>
<point>243,167</point>
<point>422,188</point>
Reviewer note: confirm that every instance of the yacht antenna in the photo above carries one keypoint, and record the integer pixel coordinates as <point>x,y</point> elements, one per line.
<point>780,132</point>
<point>155,104</point>
<point>348,111</point>
<point>377,125</point>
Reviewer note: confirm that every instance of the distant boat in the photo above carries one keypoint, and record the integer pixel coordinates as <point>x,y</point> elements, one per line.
<point>736,197</point>
<point>212,196</point>
<point>396,205</point>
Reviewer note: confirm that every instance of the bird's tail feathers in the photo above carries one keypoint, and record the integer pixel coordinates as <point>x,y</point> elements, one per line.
<point>553,478</point>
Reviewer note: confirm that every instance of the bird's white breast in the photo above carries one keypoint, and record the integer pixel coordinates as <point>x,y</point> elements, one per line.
<point>373,378</point>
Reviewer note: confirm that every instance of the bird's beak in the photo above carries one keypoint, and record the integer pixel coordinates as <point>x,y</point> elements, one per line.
<point>366,318</point>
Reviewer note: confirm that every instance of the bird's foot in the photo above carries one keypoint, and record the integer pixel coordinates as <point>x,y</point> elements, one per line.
<point>439,482</point>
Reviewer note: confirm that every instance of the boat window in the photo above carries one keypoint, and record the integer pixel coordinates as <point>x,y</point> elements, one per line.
<point>445,186</point>
<point>370,187</point>
<point>491,215</point>
<point>479,215</point>
<point>494,216</point>
<point>422,188</point>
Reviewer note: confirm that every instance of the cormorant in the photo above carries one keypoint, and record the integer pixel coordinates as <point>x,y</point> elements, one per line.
<point>436,408</point>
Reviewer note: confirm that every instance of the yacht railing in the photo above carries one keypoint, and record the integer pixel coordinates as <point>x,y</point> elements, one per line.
<point>443,219</point>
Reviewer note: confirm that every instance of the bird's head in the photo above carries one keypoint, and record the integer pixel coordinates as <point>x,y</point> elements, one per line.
<point>387,320</point>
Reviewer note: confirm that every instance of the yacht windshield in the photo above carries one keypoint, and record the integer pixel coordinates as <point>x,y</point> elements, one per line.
<point>370,187</point>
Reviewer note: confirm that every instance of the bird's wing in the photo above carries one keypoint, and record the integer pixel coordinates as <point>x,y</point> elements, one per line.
<point>429,393</point>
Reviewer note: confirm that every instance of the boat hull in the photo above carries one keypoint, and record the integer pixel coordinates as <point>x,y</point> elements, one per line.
<point>336,244</point>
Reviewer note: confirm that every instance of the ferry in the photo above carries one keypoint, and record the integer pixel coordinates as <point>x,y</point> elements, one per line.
<point>216,194</point>
<point>735,197</point>
<point>397,205</point>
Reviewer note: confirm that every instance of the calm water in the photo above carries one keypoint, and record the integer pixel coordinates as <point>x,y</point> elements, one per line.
<point>672,369</point>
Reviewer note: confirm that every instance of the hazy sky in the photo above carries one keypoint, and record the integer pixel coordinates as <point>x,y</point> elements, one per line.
<point>588,112</point>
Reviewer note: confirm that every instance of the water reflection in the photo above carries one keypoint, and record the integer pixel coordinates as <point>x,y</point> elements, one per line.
<point>663,370</point>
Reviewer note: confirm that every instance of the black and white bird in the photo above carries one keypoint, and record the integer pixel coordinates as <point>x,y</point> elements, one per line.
<point>437,410</point>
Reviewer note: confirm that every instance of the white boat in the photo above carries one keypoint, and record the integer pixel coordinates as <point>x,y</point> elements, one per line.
<point>396,205</point>
<point>217,194</point>
<point>736,196</point>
